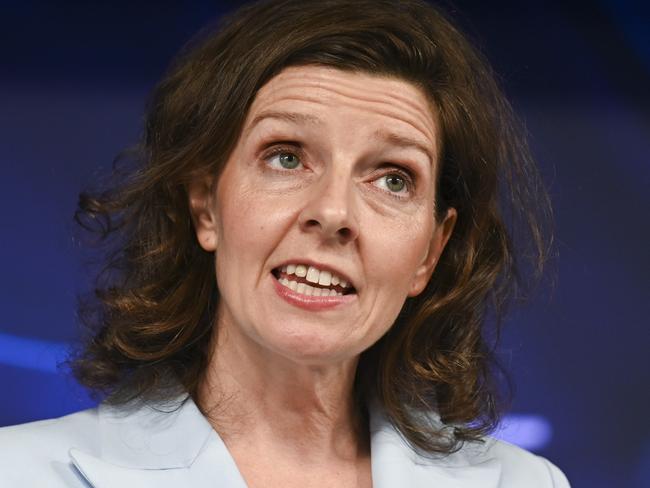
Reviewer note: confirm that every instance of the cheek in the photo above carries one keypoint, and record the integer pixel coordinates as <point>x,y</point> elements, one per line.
<point>251,223</point>
<point>241,221</point>
<point>238,232</point>
<point>398,248</point>
<point>394,254</point>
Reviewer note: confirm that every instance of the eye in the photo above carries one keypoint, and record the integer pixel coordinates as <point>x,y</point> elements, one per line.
<point>283,159</point>
<point>395,183</point>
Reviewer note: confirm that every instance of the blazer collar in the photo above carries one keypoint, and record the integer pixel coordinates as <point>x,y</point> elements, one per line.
<point>153,437</point>
<point>158,446</point>
<point>174,445</point>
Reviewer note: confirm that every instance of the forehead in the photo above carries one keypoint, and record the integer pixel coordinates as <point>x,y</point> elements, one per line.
<point>312,90</point>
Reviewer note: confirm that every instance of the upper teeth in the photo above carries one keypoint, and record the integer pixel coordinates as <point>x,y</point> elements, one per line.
<point>315,275</point>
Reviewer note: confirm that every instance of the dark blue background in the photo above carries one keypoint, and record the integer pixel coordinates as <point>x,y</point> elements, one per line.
<point>73,80</point>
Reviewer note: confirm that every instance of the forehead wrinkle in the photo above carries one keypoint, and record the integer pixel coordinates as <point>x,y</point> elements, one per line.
<point>365,94</point>
<point>295,116</point>
<point>422,114</point>
<point>298,81</point>
<point>288,116</point>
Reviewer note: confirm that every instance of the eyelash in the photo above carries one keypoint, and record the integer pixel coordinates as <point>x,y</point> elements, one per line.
<point>277,150</point>
<point>405,175</point>
<point>294,149</point>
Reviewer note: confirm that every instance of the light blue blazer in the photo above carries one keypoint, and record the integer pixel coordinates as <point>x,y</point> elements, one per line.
<point>150,448</point>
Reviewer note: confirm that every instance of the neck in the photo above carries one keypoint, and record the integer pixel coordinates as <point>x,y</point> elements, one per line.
<point>308,411</point>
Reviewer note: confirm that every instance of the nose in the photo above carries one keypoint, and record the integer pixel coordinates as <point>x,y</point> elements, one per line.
<point>329,210</point>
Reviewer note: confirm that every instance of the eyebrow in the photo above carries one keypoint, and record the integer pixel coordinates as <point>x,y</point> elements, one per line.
<point>300,118</point>
<point>293,117</point>
<point>404,142</point>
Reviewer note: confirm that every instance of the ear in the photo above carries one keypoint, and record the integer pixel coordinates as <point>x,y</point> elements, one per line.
<point>200,194</point>
<point>441,235</point>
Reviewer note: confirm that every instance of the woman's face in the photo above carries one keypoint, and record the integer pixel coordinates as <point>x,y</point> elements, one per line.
<point>333,176</point>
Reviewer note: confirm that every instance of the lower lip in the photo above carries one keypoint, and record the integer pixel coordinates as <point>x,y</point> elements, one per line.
<point>311,302</point>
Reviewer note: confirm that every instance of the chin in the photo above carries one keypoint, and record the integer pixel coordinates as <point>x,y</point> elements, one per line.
<point>310,347</point>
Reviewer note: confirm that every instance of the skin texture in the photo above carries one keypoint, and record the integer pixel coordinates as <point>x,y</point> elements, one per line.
<point>352,134</point>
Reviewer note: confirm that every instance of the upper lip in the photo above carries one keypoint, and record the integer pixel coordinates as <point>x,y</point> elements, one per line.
<point>320,266</point>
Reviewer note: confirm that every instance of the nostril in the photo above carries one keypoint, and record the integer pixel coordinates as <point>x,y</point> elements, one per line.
<point>331,225</point>
<point>312,223</point>
<point>345,232</point>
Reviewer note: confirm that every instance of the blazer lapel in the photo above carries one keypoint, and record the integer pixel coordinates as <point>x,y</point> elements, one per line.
<point>165,446</point>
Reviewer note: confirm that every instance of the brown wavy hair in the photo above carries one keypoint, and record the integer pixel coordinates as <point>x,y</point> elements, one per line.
<point>153,312</point>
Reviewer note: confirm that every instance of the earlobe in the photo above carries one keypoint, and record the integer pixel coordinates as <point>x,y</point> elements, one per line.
<point>439,240</point>
<point>423,274</point>
<point>200,197</point>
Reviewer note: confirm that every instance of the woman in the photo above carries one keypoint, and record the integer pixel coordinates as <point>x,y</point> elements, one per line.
<point>304,259</point>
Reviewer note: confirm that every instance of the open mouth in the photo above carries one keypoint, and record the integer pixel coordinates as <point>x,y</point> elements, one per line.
<point>310,281</point>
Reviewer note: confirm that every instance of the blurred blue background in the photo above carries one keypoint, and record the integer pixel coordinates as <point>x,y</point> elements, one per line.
<point>73,80</point>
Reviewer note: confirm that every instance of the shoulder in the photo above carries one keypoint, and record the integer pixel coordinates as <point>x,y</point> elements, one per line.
<point>139,444</point>
<point>496,464</point>
<point>493,464</point>
<point>489,463</point>
<point>518,466</point>
<point>50,437</point>
<point>36,453</point>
